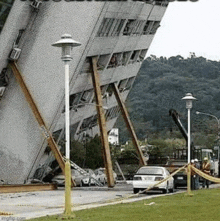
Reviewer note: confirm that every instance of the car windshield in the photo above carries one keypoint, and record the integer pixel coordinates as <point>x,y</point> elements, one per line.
<point>150,171</point>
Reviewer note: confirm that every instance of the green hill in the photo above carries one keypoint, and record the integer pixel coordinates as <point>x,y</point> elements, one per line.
<point>161,84</point>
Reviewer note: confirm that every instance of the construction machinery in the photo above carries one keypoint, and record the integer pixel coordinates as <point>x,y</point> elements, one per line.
<point>197,152</point>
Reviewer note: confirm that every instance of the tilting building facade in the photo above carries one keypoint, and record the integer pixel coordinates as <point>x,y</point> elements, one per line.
<point>117,33</point>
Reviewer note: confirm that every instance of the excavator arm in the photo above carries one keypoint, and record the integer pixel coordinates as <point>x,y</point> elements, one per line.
<point>174,114</point>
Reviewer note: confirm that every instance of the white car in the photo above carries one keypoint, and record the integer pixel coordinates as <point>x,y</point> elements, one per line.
<point>91,177</point>
<point>79,179</point>
<point>101,175</point>
<point>147,176</point>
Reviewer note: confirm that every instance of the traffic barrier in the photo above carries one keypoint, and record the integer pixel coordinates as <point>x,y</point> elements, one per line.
<point>204,175</point>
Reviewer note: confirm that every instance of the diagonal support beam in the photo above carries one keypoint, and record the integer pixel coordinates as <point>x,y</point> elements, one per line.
<point>52,144</point>
<point>102,123</point>
<point>128,123</point>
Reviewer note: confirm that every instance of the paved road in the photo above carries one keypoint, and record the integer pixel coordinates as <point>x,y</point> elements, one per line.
<point>36,204</point>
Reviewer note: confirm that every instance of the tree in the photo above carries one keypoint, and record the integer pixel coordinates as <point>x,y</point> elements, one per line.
<point>160,85</point>
<point>93,156</point>
<point>77,153</point>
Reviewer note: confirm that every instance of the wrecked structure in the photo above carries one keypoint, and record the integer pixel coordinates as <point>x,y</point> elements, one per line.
<point>117,33</point>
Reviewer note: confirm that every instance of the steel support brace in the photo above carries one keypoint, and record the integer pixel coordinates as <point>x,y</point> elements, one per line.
<point>128,123</point>
<point>52,144</point>
<point>102,124</point>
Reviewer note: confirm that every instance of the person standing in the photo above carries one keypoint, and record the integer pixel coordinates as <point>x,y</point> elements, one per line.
<point>193,176</point>
<point>197,166</point>
<point>206,169</point>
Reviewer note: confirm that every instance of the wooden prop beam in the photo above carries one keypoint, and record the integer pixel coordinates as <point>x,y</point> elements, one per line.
<point>26,188</point>
<point>52,144</point>
<point>102,124</point>
<point>128,123</point>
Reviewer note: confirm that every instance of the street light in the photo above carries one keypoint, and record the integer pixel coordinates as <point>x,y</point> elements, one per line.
<point>218,121</point>
<point>188,98</point>
<point>67,43</point>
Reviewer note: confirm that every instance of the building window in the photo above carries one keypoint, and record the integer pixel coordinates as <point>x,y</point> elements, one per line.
<point>151,27</point>
<point>94,121</point>
<point>107,114</point>
<point>154,28</point>
<point>86,96</point>
<point>128,57</point>
<point>103,89</point>
<point>122,84</point>
<point>105,27</point>
<point>142,54</point>
<point>125,57</point>
<point>147,27</point>
<point>125,84</point>
<point>59,135</point>
<point>88,123</point>
<point>109,90</point>
<point>129,27</point>
<point>138,27</point>
<point>73,129</point>
<point>116,60</point>
<point>110,27</point>
<point>79,99</point>
<point>112,113</point>
<point>134,56</point>
<point>129,83</point>
<point>115,112</point>
<point>102,61</point>
<point>118,27</point>
<point>74,99</point>
<point>134,27</point>
<point>163,3</point>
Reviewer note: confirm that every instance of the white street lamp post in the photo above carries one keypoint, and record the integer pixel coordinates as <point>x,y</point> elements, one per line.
<point>218,121</point>
<point>197,112</point>
<point>189,98</point>
<point>67,43</point>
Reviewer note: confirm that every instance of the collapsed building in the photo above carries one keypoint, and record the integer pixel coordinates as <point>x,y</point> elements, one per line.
<point>117,33</point>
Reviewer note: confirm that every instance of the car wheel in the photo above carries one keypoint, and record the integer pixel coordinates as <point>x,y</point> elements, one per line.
<point>135,190</point>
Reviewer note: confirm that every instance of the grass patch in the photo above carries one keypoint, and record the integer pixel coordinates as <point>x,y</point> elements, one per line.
<point>203,205</point>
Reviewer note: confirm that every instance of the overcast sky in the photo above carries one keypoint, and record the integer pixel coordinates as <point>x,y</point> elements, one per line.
<point>189,27</point>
